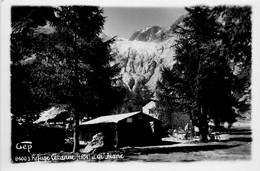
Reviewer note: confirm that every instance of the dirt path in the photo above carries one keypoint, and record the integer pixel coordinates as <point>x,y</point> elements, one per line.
<point>237,148</point>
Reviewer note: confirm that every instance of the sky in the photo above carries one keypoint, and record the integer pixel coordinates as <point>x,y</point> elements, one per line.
<point>124,21</point>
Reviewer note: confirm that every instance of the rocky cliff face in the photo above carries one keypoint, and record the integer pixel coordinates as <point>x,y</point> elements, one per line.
<point>141,61</point>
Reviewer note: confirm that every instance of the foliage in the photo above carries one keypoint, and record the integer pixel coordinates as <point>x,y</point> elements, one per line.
<point>23,49</point>
<point>64,61</point>
<point>132,101</point>
<point>213,63</point>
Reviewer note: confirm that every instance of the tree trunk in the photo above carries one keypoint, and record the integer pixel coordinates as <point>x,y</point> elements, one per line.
<point>76,117</point>
<point>76,133</point>
<point>76,92</point>
<point>191,122</point>
<point>204,125</point>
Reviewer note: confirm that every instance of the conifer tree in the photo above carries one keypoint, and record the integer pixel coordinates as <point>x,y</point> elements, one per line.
<point>203,81</point>
<point>71,64</point>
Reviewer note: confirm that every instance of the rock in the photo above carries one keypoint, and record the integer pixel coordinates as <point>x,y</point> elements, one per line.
<point>128,80</point>
<point>96,144</point>
<point>142,61</point>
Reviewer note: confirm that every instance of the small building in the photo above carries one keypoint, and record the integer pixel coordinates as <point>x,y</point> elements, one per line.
<point>149,108</point>
<point>56,115</point>
<point>128,129</point>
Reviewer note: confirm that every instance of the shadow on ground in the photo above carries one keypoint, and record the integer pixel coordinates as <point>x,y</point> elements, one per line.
<point>202,147</point>
<point>242,135</point>
<point>241,139</point>
<point>240,131</point>
<point>167,143</point>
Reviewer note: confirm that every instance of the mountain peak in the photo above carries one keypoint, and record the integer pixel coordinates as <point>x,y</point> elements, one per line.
<point>145,29</point>
<point>146,34</point>
<point>156,33</point>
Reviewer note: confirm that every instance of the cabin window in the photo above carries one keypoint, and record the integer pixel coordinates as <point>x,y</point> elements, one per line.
<point>129,120</point>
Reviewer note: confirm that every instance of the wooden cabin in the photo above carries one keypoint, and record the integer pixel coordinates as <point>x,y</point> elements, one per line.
<point>54,116</point>
<point>128,129</point>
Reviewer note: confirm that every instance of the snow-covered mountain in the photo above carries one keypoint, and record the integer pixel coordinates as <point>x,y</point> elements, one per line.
<point>147,34</point>
<point>155,33</point>
<point>141,61</point>
<point>143,55</point>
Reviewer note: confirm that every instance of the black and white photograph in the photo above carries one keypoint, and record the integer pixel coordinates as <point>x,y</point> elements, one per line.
<point>97,84</point>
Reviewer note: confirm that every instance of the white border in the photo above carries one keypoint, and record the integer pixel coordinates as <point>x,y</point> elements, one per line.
<point>5,91</point>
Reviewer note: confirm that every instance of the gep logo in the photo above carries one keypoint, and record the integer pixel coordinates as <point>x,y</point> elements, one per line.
<point>25,145</point>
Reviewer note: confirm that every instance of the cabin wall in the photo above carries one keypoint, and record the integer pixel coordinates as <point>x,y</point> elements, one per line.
<point>141,131</point>
<point>138,130</point>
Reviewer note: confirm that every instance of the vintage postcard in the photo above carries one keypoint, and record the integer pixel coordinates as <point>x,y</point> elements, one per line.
<point>129,85</point>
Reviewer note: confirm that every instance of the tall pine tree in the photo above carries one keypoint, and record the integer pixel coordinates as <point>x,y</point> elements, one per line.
<point>203,81</point>
<point>68,62</point>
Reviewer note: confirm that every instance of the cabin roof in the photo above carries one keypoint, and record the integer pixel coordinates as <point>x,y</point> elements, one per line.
<point>112,118</point>
<point>50,114</point>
